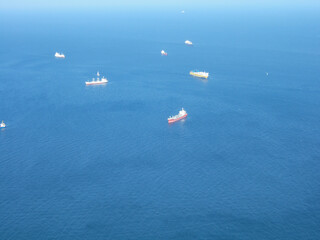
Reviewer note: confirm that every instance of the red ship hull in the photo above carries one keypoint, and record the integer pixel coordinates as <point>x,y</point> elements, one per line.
<point>178,119</point>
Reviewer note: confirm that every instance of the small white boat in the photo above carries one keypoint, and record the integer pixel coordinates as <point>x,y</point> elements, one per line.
<point>182,11</point>
<point>97,81</point>
<point>59,55</point>
<point>163,53</point>
<point>187,42</point>
<point>2,125</point>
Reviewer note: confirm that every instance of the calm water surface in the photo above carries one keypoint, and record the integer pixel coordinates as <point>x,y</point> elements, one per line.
<point>101,162</point>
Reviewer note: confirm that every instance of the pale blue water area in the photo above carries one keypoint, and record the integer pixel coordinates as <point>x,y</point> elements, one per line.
<point>101,162</point>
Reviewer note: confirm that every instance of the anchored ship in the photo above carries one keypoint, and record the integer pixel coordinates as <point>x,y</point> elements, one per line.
<point>96,81</point>
<point>187,42</point>
<point>2,125</point>
<point>182,114</point>
<point>199,74</point>
<point>59,55</point>
<point>164,53</point>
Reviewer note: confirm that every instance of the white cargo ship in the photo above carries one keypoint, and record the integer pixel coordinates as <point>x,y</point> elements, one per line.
<point>199,74</point>
<point>187,42</point>
<point>2,125</point>
<point>59,55</point>
<point>97,81</point>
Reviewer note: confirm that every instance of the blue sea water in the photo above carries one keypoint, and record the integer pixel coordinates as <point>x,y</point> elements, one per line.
<point>101,162</point>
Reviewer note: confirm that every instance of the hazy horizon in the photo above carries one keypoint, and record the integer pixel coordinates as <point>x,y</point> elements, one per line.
<point>143,4</point>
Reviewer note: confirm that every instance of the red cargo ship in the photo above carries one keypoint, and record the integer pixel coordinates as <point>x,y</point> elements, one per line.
<point>182,114</point>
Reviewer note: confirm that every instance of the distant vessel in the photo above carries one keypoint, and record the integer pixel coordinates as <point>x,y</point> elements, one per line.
<point>2,125</point>
<point>182,114</point>
<point>187,42</point>
<point>96,81</point>
<point>182,11</point>
<point>59,55</point>
<point>199,74</point>
<point>164,53</point>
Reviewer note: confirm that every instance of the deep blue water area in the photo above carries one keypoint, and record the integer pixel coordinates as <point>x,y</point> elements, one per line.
<point>101,162</point>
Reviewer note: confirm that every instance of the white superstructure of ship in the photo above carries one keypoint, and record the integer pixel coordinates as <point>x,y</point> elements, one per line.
<point>187,42</point>
<point>2,125</point>
<point>59,55</point>
<point>96,81</point>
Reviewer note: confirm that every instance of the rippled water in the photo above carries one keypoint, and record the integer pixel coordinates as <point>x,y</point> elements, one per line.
<point>101,162</point>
